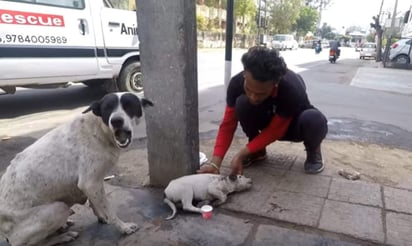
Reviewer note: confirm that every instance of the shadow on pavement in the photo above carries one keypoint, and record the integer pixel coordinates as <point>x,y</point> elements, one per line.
<point>41,100</point>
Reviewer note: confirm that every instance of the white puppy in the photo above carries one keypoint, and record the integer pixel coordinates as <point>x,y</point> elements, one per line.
<point>64,167</point>
<point>203,187</point>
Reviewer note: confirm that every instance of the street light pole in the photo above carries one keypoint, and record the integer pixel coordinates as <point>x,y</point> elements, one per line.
<point>229,40</point>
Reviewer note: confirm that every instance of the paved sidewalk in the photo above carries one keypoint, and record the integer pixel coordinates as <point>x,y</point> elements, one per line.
<point>284,207</point>
<point>385,79</point>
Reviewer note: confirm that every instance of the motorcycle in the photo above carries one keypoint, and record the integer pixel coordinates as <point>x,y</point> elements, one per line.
<point>318,49</point>
<point>333,56</point>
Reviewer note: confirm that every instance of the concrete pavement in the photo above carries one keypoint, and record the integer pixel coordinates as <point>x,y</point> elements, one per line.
<point>385,79</point>
<point>284,206</point>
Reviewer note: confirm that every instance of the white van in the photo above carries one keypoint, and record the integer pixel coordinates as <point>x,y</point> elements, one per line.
<point>47,43</point>
<point>284,42</point>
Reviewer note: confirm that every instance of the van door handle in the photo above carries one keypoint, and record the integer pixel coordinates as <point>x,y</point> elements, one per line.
<point>82,26</point>
<point>114,23</point>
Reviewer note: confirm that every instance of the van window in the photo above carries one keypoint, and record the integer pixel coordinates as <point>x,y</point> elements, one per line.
<point>74,4</point>
<point>120,4</point>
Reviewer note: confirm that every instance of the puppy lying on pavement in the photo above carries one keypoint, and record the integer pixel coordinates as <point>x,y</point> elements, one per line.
<point>203,187</point>
<point>65,167</point>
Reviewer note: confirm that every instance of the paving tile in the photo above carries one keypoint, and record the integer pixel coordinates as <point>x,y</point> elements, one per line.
<point>279,161</point>
<point>315,185</point>
<point>146,208</point>
<point>399,228</point>
<point>398,200</point>
<point>277,236</point>
<point>252,201</point>
<point>293,207</point>
<point>355,192</point>
<point>359,221</point>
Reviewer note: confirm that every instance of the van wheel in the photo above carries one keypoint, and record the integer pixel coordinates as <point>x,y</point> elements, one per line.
<point>401,59</point>
<point>131,78</point>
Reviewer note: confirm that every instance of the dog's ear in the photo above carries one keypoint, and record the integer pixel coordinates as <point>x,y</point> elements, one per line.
<point>95,108</point>
<point>146,102</point>
<point>232,177</point>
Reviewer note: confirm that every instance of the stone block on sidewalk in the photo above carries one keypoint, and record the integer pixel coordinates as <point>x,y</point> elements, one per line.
<point>293,207</point>
<point>359,221</point>
<point>399,228</point>
<point>277,236</point>
<point>398,200</point>
<point>355,192</point>
<point>315,185</point>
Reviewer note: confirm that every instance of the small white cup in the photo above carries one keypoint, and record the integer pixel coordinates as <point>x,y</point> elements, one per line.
<point>206,211</point>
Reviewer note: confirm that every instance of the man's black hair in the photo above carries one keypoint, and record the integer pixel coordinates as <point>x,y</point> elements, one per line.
<point>264,64</point>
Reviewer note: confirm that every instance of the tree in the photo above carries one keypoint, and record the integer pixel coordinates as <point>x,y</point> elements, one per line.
<point>246,10</point>
<point>320,5</point>
<point>379,32</point>
<point>354,28</point>
<point>306,22</point>
<point>284,14</point>
<point>325,30</point>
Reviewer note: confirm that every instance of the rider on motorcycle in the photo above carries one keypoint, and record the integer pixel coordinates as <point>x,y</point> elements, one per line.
<point>334,45</point>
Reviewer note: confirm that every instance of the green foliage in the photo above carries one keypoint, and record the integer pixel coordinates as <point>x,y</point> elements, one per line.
<point>325,30</point>
<point>245,10</point>
<point>284,15</point>
<point>214,3</point>
<point>306,22</point>
<point>202,23</point>
<point>370,37</point>
<point>318,4</point>
<point>353,29</point>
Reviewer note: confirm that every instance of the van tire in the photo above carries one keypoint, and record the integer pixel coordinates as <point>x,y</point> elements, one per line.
<point>130,78</point>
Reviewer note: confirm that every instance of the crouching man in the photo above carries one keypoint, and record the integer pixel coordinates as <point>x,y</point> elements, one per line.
<point>270,103</point>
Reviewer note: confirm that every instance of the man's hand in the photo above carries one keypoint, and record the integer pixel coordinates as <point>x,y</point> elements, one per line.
<point>236,163</point>
<point>211,167</point>
<point>207,168</point>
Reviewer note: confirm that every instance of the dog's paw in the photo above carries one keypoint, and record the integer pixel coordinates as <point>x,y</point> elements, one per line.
<point>129,228</point>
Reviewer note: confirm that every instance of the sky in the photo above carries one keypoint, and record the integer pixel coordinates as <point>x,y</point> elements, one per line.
<point>346,13</point>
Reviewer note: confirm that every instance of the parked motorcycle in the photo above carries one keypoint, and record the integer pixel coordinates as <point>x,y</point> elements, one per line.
<point>333,56</point>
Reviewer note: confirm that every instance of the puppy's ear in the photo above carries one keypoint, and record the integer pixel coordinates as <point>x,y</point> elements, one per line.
<point>232,177</point>
<point>95,108</point>
<point>146,102</point>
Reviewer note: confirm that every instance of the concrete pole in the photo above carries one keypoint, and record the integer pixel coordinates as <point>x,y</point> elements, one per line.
<point>229,41</point>
<point>168,52</point>
<point>393,19</point>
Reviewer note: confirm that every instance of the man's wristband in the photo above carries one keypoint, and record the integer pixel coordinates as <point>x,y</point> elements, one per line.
<point>213,165</point>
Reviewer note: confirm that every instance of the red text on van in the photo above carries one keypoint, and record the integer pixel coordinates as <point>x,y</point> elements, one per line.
<point>29,18</point>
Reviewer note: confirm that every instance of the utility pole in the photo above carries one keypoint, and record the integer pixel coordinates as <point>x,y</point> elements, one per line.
<point>391,33</point>
<point>393,19</point>
<point>170,78</point>
<point>379,33</point>
<point>229,41</point>
<point>259,21</point>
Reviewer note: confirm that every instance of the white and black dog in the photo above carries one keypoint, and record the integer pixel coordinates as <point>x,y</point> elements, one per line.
<point>64,167</point>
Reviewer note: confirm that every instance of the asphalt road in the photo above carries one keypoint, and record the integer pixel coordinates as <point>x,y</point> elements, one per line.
<point>354,113</point>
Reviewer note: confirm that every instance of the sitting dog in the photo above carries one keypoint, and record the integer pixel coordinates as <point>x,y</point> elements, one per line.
<point>64,167</point>
<point>202,187</point>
